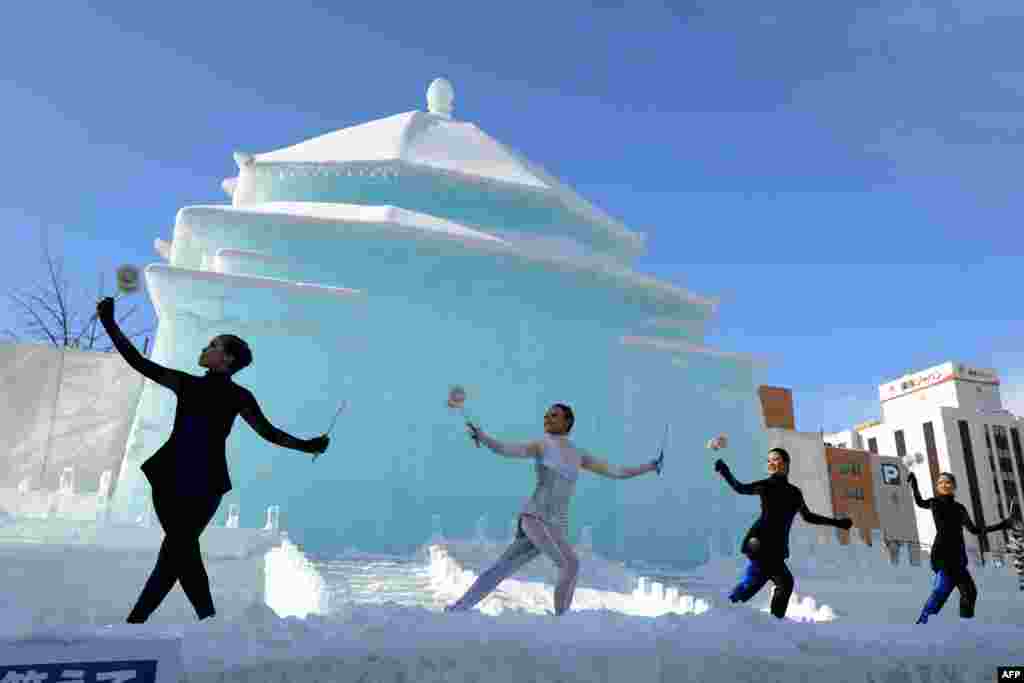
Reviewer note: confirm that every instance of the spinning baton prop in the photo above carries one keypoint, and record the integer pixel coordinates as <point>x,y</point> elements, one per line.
<point>456,399</point>
<point>344,404</point>
<point>661,453</point>
<point>334,420</point>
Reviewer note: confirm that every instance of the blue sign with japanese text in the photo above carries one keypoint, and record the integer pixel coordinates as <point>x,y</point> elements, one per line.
<point>138,671</point>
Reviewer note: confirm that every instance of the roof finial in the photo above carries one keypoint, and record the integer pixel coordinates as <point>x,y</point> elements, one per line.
<point>440,97</point>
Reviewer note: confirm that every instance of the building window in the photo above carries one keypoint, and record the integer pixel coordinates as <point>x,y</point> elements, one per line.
<point>999,502</point>
<point>929,447</point>
<point>1002,442</point>
<point>901,444</point>
<point>972,481</point>
<point>855,493</point>
<point>1006,534</point>
<point>873,444</point>
<point>1018,457</point>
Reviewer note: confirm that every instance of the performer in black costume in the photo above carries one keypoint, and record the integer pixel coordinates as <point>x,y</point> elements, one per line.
<point>949,555</point>
<point>189,473</point>
<point>767,542</point>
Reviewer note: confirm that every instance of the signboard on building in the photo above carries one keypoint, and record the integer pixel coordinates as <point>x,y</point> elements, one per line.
<point>936,375</point>
<point>919,380</point>
<point>891,474</point>
<point>983,375</point>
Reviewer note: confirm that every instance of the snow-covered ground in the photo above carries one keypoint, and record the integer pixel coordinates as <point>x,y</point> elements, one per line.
<point>399,643</point>
<point>382,622</point>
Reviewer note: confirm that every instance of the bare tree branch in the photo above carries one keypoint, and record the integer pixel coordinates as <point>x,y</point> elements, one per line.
<point>59,287</point>
<point>58,316</point>
<point>35,317</point>
<point>49,313</point>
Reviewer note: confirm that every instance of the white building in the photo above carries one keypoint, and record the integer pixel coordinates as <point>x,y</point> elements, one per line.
<point>950,418</point>
<point>848,438</point>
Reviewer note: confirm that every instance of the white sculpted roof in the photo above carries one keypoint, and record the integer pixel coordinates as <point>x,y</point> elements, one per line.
<point>435,141</point>
<point>417,138</point>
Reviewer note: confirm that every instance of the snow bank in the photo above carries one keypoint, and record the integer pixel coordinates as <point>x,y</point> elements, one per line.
<point>689,641</point>
<point>88,574</point>
<point>392,643</point>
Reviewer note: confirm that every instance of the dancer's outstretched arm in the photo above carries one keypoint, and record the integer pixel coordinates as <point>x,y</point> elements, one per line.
<point>172,379</point>
<point>1000,526</point>
<point>813,518</point>
<point>531,449</point>
<point>746,489</point>
<point>921,503</point>
<point>252,414</point>
<point>598,466</point>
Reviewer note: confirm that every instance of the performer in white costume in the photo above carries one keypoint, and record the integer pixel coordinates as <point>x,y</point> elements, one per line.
<point>544,519</point>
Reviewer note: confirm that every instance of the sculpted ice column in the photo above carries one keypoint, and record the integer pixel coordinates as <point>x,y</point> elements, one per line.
<point>233,517</point>
<point>587,539</point>
<point>481,530</point>
<point>273,518</point>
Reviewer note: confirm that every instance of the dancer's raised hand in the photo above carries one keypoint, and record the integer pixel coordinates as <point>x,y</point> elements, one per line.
<point>105,308</point>
<point>1015,511</point>
<point>318,445</point>
<point>474,432</point>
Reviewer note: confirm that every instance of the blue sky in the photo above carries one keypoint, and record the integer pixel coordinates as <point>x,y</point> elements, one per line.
<point>845,177</point>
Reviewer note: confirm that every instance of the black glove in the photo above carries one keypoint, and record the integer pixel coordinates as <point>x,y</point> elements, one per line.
<point>318,445</point>
<point>845,524</point>
<point>911,479</point>
<point>721,467</point>
<point>105,309</point>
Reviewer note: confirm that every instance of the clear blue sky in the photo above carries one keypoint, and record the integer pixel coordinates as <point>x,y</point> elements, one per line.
<point>846,178</point>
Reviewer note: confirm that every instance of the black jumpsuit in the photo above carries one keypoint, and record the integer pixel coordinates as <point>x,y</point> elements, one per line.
<point>949,554</point>
<point>780,501</point>
<point>189,473</point>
